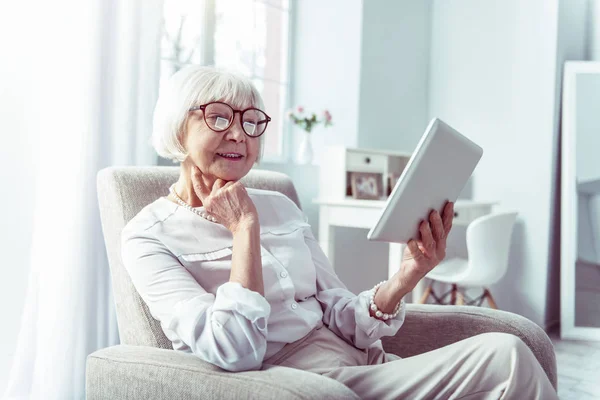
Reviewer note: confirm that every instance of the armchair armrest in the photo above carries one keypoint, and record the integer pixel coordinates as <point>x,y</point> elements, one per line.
<point>141,372</point>
<point>428,327</point>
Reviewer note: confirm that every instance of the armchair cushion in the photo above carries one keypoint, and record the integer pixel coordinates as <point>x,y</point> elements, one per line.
<point>143,372</point>
<point>428,327</point>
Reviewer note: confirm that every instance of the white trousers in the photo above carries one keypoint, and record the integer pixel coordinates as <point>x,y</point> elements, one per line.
<point>486,366</point>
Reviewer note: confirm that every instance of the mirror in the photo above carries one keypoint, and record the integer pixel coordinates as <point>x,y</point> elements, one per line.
<point>580,206</point>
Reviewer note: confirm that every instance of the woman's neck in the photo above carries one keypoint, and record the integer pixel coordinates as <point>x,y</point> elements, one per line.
<point>187,194</point>
<point>185,188</point>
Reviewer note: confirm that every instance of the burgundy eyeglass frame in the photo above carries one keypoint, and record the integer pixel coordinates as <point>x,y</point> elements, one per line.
<point>241,112</point>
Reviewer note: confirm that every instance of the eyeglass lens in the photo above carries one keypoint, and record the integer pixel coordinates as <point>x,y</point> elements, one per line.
<point>220,116</point>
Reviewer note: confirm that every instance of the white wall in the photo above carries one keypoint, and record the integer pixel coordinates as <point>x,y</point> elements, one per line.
<point>495,75</point>
<point>493,68</point>
<point>394,74</point>
<point>326,67</point>
<point>593,26</point>
<point>326,64</point>
<point>18,132</point>
<point>351,53</point>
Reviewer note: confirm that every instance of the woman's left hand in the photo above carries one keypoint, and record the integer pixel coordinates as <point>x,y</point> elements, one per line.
<point>421,256</point>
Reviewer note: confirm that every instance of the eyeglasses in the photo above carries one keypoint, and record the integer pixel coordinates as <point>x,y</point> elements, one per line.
<point>219,116</point>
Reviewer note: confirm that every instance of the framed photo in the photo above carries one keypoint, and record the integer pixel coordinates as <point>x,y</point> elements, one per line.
<point>366,185</point>
<point>392,180</point>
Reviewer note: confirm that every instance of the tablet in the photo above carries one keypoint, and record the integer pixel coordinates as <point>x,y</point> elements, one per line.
<point>437,172</point>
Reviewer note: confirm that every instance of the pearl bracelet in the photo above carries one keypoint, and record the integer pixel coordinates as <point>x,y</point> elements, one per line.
<point>373,306</point>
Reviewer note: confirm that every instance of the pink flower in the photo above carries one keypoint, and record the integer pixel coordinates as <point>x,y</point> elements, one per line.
<point>327,115</point>
<point>300,109</point>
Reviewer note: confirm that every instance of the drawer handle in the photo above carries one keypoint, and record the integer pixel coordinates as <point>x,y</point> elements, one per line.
<point>455,214</point>
<point>367,160</point>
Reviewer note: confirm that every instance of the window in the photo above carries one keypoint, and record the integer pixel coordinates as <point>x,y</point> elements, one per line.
<point>250,36</point>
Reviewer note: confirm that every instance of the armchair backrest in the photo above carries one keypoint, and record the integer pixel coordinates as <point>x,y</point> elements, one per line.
<point>122,193</point>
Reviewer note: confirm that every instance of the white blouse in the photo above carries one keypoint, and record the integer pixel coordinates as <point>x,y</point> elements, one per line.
<point>180,264</point>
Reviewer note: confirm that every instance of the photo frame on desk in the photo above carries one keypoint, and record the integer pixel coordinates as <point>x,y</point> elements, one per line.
<point>392,180</point>
<point>366,185</point>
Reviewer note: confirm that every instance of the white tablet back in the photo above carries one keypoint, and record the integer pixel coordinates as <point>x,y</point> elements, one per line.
<point>437,172</point>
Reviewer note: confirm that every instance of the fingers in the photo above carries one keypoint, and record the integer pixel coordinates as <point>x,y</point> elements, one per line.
<point>427,238</point>
<point>415,252</point>
<point>200,187</point>
<point>448,216</point>
<point>219,184</point>
<point>437,225</point>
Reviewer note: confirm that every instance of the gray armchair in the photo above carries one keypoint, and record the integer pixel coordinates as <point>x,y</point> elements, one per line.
<point>145,366</point>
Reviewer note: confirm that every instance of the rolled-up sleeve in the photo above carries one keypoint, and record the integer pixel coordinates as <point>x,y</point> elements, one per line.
<point>345,313</point>
<point>228,329</point>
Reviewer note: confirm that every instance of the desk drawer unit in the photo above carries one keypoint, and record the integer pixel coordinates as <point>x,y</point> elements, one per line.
<point>340,162</point>
<point>365,162</point>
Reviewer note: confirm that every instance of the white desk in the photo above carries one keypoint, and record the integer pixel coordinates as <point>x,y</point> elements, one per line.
<point>364,213</point>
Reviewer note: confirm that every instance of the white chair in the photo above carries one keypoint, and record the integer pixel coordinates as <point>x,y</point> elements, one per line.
<point>488,242</point>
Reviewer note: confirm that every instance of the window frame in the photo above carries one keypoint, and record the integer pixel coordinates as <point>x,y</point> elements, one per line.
<point>207,58</point>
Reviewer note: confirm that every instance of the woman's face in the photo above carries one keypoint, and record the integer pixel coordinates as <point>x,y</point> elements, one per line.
<point>205,147</point>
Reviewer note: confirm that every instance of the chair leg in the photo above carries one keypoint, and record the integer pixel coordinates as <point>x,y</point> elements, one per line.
<point>453,294</point>
<point>490,299</point>
<point>460,298</point>
<point>426,293</point>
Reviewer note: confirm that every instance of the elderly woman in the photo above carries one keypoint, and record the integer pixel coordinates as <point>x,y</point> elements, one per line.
<point>236,277</point>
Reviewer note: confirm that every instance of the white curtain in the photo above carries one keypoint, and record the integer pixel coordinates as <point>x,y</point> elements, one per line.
<point>96,81</point>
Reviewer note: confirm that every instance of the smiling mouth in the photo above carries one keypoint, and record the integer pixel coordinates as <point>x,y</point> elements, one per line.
<point>230,156</point>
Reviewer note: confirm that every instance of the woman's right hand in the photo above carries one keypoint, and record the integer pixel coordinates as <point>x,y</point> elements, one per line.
<point>228,202</point>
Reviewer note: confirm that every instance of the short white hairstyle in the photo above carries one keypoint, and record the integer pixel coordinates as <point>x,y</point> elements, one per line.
<point>192,86</point>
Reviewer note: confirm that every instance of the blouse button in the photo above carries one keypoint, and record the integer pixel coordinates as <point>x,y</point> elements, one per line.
<point>283,274</point>
<point>294,306</point>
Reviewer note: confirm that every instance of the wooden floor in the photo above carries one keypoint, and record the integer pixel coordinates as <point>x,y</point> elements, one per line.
<point>578,368</point>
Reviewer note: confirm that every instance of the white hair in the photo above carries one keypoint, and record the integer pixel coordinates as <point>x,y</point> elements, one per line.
<point>192,86</point>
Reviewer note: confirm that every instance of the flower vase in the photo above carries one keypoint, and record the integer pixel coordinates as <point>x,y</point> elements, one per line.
<point>305,152</point>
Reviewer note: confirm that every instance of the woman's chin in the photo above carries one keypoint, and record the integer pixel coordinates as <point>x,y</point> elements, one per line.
<point>230,175</point>
<point>232,172</point>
